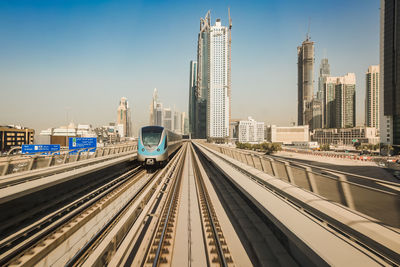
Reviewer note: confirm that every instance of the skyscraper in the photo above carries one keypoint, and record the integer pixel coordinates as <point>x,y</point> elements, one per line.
<point>372,97</point>
<point>390,76</point>
<point>153,107</point>
<point>317,102</point>
<point>329,102</point>
<point>213,90</point>
<point>203,74</point>
<point>192,95</point>
<point>168,119</point>
<point>345,94</point>
<point>305,81</point>
<point>124,117</point>
<point>324,71</point>
<point>159,115</point>
<point>339,102</point>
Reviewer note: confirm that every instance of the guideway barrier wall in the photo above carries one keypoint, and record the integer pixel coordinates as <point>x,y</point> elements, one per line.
<point>376,203</point>
<point>21,163</point>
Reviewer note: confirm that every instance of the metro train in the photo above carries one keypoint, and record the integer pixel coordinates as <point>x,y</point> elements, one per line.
<point>156,144</point>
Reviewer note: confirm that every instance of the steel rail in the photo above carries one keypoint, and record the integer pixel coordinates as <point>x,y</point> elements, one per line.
<point>79,258</point>
<point>203,195</point>
<point>172,203</point>
<point>82,206</point>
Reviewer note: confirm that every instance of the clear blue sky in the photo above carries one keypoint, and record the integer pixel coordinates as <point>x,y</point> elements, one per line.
<point>82,56</point>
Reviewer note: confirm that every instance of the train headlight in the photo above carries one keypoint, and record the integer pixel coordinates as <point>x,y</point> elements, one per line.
<point>143,149</point>
<point>158,150</point>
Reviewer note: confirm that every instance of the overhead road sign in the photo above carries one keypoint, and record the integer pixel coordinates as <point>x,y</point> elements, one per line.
<point>80,143</point>
<point>44,149</point>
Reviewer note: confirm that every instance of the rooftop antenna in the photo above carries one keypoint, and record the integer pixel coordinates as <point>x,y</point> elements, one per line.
<point>324,52</point>
<point>308,30</point>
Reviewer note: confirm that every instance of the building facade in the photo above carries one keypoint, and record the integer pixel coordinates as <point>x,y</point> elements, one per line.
<point>305,82</point>
<point>329,102</point>
<point>372,97</point>
<point>11,136</point>
<point>250,131</point>
<point>346,101</point>
<point>192,95</point>
<point>339,101</point>
<point>324,71</point>
<point>168,119</point>
<point>346,136</point>
<point>288,134</point>
<point>390,64</point>
<point>153,108</point>
<point>213,90</point>
<point>124,117</point>
<point>317,113</point>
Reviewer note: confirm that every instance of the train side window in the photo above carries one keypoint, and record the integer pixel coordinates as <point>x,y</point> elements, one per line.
<point>166,142</point>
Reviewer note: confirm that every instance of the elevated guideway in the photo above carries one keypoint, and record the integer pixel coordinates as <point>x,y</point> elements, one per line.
<point>210,205</point>
<point>379,238</point>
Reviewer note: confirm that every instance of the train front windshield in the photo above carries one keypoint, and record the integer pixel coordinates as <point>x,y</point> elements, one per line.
<point>151,136</point>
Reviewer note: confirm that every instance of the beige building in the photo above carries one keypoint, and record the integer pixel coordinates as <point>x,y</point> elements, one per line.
<point>287,134</point>
<point>372,97</point>
<point>346,136</point>
<point>11,136</point>
<point>124,117</point>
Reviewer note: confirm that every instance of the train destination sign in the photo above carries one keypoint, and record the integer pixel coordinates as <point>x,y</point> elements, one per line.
<point>29,149</point>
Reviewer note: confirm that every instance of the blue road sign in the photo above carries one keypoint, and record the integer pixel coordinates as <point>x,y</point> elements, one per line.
<point>30,149</point>
<point>82,142</point>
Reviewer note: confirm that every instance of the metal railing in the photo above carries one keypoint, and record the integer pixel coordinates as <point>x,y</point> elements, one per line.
<point>379,204</point>
<point>27,162</point>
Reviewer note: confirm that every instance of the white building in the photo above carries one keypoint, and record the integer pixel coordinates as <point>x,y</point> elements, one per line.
<point>168,119</point>
<point>219,93</point>
<point>288,134</point>
<point>85,130</point>
<point>251,131</point>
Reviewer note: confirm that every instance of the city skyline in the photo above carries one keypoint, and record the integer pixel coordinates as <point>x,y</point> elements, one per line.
<point>84,70</point>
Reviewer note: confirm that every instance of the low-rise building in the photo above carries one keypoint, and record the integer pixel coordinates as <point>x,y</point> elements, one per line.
<point>346,136</point>
<point>251,131</point>
<point>287,134</point>
<point>12,136</point>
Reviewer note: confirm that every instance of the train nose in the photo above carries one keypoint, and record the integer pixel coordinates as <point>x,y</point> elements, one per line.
<point>149,161</point>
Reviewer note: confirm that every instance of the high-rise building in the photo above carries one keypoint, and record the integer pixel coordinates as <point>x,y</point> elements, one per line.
<point>372,97</point>
<point>329,102</point>
<point>390,76</point>
<point>324,71</point>
<point>192,95</point>
<point>305,81</point>
<point>213,91</point>
<point>339,103</point>
<point>159,115</point>
<point>168,119</point>
<point>124,117</point>
<point>317,113</point>
<point>177,122</point>
<point>153,108</point>
<point>346,101</point>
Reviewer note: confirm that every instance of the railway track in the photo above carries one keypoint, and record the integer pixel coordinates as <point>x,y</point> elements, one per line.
<point>191,212</point>
<point>23,247</point>
<point>21,213</point>
<point>217,251</point>
<point>262,241</point>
